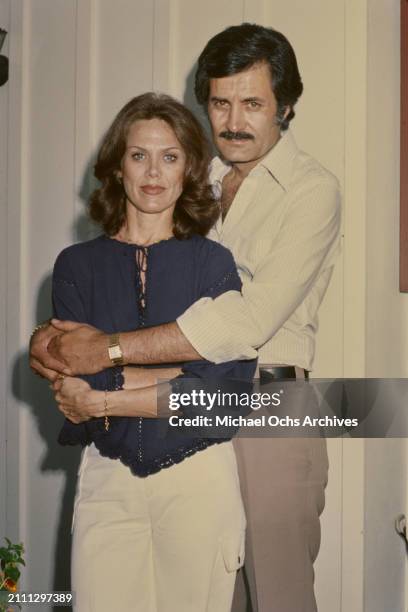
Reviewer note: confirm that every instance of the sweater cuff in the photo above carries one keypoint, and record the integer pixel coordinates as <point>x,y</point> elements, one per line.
<point>209,334</point>
<point>115,379</point>
<point>110,379</point>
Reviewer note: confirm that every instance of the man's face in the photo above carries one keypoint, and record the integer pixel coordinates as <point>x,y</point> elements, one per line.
<point>242,111</point>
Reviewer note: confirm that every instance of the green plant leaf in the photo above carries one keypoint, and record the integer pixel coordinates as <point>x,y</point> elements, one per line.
<point>13,573</point>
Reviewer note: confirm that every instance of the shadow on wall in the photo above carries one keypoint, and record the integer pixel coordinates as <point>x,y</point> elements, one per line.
<point>38,398</point>
<point>190,101</point>
<point>83,228</point>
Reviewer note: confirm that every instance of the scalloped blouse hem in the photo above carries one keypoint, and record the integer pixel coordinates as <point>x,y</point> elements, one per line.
<point>153,466</point>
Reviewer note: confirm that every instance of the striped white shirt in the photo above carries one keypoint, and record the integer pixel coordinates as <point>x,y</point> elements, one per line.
<point>283,229</point>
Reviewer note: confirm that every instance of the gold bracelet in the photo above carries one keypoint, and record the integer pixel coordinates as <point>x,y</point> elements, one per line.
<point>105,405</point>
<point>40,326</point>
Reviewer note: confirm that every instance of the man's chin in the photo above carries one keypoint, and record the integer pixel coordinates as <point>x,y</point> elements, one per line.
<point>237,158</point>
<point>236,151</point>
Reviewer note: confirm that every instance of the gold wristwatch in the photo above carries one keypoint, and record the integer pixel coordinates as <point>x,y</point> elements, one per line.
<point>114,350</point>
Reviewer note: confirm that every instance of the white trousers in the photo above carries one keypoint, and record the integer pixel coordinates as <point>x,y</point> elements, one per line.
<point>171,542</point>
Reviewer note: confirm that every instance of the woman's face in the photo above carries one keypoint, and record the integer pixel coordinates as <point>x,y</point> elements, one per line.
<point>153,166</point>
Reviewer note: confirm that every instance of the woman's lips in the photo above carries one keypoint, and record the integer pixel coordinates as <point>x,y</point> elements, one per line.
<point>152,189</point>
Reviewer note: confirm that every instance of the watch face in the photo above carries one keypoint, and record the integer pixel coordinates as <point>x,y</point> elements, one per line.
<point>115,353</point>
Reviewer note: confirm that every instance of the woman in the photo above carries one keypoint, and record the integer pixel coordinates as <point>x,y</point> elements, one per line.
<point>170,542</point>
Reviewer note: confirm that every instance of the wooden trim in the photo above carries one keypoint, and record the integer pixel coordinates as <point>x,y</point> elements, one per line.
<point>404,150</point>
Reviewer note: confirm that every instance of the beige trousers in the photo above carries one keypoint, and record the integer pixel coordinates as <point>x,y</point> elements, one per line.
<point>171,542</point>
<point>283,482</point>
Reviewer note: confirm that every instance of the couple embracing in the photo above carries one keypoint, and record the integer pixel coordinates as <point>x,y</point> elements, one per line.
<point>195,277</point>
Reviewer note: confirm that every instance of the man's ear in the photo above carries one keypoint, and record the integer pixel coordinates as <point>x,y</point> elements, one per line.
<point>286,113</point>
<point>281,116</point>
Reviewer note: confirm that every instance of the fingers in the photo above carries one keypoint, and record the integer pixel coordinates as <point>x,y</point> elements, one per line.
<point>71,415</point>
<point>40,361</point>
<point>41,336</point>
<point>39,369</point>
<point>46,361</point>
<point>54,353</point>
<point>51,363</point>
<point>62,400</point>
<point>58,382</point>
<point>65,326</point>
<point>54,356</point>
<point>81,347</point>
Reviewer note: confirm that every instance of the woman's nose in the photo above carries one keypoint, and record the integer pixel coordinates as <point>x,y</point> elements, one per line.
<point>153,168</point>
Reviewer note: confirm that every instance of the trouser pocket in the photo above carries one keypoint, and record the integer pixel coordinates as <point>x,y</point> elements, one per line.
<point>233,551</point>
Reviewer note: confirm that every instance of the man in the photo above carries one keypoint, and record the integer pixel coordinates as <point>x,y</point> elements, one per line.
<point>280,218</point>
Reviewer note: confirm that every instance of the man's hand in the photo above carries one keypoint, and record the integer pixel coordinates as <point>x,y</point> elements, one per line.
<point>41,362</point>
<point>82,348</point>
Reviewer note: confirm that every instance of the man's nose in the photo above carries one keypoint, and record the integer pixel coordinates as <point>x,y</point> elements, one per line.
<point>236,118</point>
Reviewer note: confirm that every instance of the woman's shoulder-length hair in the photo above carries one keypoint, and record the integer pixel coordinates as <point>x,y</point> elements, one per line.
<point>196,210</point>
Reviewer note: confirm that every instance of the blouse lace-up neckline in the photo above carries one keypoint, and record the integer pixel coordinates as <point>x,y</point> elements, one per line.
<point>141,258</point>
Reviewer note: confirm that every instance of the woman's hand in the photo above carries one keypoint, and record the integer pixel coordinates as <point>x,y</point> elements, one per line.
<point>77,401</point>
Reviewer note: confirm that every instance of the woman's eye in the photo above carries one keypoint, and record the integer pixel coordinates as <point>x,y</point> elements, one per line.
<point>137,156</point>
<point>169,157</point>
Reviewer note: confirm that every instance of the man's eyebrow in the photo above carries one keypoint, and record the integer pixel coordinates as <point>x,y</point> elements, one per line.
<point>248,99</point>
<point>253,99</point>
<point>218,99</point>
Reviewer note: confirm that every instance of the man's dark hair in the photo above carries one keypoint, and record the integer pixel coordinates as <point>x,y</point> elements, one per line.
<point>238,48</point>
<point>196,210</point>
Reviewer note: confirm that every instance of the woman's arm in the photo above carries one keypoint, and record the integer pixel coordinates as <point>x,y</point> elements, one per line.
<point>71,282</point>
<point>138,378</point>
<point>79,403</point>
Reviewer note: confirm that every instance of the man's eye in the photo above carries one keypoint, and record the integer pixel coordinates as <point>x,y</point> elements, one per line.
<point>137,156</point>
<point>253,104</point>
<point>219,103</point>
<point>169,157</point>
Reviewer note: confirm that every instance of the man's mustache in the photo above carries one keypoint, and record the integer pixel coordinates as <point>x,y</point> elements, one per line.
<point>235,135</point>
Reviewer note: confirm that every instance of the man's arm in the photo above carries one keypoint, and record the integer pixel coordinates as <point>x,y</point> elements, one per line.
<point>233,325</point>
<point>162,344</point>
<point>83,349</point>
<point>73,347</point>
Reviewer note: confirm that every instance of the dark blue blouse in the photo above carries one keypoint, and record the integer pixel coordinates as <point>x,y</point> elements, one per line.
<point>98,282</point>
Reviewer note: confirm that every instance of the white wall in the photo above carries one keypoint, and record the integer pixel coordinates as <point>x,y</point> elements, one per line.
<point>4,21</point>
<point>11,169</point>
<point>82,59</point>
<point>386,309</point>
